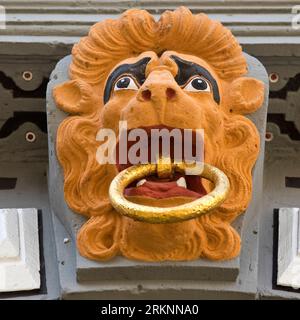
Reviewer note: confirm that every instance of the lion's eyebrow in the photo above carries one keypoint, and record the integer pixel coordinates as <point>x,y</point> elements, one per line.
<point>187,69</point>
<point>136,69</point>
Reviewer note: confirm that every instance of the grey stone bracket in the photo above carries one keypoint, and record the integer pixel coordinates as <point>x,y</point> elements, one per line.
<point>81,277</point>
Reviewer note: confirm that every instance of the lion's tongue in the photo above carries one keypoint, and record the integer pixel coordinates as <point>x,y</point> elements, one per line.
<point>159,190</point>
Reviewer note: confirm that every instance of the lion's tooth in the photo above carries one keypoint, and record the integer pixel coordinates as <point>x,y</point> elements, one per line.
<point>181,182</point>
<point>141,182</point>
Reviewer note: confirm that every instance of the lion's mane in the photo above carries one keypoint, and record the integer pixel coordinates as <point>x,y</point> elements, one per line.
<point>86,182</point>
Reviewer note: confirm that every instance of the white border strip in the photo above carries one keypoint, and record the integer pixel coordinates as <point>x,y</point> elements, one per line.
<point>21,272</point>
<point>289,248</point>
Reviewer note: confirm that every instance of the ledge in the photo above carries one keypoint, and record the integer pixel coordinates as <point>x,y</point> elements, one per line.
<point>59,24</point>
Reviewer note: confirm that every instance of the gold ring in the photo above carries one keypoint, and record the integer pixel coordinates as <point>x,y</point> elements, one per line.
<point>179,213</point>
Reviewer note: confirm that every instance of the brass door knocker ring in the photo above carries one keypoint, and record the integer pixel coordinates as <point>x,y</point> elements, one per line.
<point>182,212</point>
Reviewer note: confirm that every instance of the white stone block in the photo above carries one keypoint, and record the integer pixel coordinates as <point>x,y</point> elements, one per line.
<point>19,250</point>
<point>289,248</point>
<point>9,235</point>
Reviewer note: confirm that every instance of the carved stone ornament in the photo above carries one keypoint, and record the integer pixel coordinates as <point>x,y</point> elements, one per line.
<point>184,71</point>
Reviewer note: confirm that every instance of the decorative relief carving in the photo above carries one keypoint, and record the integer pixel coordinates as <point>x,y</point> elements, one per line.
<point>19,118</point>
<point>284,108</point>
<point>17,92</point>
<point>23,111</point>
<point>281,74</point>
<point>292,84</point>
<point>231,141</point>
<point>286,127</point>
<point>281,147</point>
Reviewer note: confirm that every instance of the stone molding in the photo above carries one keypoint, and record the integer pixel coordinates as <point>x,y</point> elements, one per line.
<point>289,248</point>
<point>67,21</point>
<point>19,250</point>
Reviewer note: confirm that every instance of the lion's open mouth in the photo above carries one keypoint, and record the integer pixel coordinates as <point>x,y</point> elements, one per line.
<point>179,185</point>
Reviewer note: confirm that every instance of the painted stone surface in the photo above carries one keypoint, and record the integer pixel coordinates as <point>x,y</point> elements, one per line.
<point>19,250</point>
<point>161,60</point>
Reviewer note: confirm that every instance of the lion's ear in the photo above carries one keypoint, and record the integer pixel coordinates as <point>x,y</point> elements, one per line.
<point>246,95</point>
<point>75,96</point>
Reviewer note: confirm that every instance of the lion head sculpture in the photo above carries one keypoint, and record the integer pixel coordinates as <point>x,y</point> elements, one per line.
<point>183,71</point>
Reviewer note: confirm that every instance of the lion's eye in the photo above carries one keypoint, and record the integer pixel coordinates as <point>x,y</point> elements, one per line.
<point>125,83</point>
<point>197,84</point>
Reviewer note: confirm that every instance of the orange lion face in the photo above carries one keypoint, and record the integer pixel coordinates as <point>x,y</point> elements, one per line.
<point>184,71</point>
<point>170,91</point>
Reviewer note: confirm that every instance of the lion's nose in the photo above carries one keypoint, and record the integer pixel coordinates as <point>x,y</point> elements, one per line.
<point>154,93</point>
<point>159,88</point>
